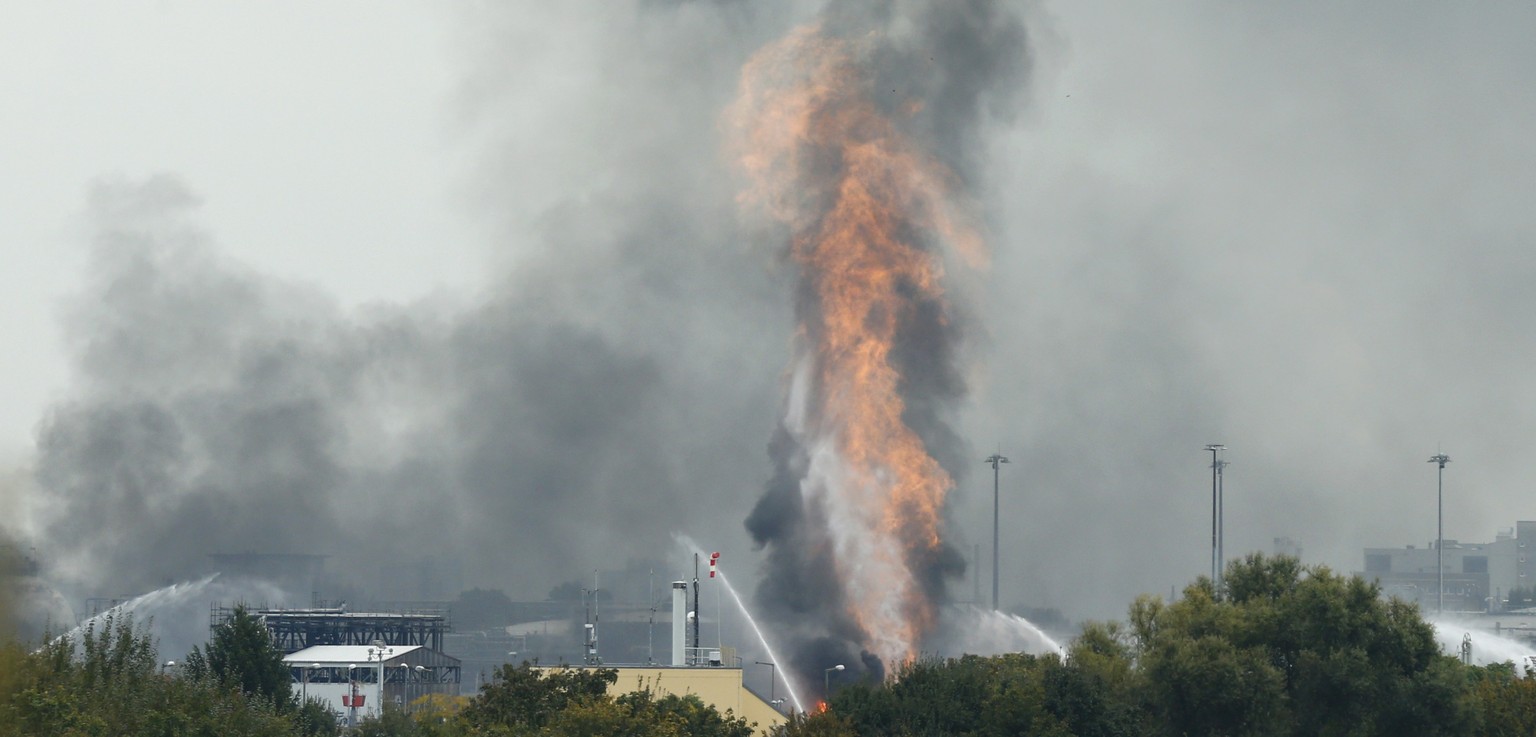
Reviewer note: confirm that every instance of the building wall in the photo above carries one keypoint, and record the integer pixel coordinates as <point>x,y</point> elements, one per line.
<point>397,695</point>
<point>316,676</point>
<point>1503,566</point>
<point>332,693</point>
<point>1478,576</point>
<point>719,687</point>
<point>1525,541</point>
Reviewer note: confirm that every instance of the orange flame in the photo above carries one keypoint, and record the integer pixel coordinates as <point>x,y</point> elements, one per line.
<point>867,211</point>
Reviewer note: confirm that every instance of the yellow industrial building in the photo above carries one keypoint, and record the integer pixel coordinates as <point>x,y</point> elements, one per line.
<point>720,687</point>
<point>694,671</point>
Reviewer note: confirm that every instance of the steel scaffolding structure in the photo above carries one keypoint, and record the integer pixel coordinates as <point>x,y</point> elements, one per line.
<point>295,629</point>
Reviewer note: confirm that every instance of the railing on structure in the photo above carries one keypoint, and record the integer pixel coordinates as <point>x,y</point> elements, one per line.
<point>714,657</point>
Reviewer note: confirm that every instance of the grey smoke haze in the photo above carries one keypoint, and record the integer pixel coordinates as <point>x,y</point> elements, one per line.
<point>220,411</point>
<point>616,386</point>
<point>1301,230</point>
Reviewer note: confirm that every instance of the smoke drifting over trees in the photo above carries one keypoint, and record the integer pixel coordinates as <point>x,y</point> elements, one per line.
<point>1301,233</point>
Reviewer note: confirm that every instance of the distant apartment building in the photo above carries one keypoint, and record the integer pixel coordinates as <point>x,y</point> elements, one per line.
<point>1478,576</point>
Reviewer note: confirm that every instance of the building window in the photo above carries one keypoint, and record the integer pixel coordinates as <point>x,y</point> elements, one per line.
<point>1378,563</point>
<point>1474,564</point>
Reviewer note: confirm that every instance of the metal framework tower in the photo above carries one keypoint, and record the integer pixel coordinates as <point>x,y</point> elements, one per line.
<point>996,459</point>
<point>1441,459</point>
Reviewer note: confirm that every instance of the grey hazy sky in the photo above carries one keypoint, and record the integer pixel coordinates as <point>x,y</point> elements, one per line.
<point>1301,229</point>
<point>321,138</point>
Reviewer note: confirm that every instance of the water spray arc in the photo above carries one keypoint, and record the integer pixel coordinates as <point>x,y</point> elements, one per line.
<point>789,686</point>
<point>689,545</point>
<point>172,593</point>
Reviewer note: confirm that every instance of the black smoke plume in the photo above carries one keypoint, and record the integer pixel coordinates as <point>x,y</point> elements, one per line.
<point>964,62</point>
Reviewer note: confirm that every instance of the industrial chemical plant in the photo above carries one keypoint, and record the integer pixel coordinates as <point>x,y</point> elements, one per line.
<point>396,655</point>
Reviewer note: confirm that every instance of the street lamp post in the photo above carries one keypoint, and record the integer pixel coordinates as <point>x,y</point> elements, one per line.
<point>1441,459</point>
<point>773,672</point>
<point>405,685</point>
<point>996,459</point>
<point>352,697</point>
<point>1215,449</point>
<point>1221,520</point>
<point>826,679</point>
<point>308,673</point>
<point>379,652</point>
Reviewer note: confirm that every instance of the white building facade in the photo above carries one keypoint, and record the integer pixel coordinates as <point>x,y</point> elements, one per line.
<point>1478,576</point>
<point>357,681</point>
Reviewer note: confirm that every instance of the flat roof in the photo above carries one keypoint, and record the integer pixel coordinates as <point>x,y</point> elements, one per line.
<point>345,654</point>
<point>337,614</point>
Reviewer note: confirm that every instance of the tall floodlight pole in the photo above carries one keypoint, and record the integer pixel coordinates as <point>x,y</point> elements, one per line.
<point>1441,459</point>
<point>773,672</point>
<point>1215,449</point>
<point>826,679</point>
<point>1221,521</point>
<point>996,459</point>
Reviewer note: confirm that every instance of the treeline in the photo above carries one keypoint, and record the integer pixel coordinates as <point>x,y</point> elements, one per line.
<point>108,681</point>
<point>521,701</point>
<point>1281,650</point>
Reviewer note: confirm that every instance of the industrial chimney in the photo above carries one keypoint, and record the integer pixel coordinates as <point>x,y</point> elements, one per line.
<point>679,622</point>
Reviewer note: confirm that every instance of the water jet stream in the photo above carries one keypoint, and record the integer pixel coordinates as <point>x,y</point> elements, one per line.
<point>1487,647</point>
<point>152,599</point>
<point>783,673</point>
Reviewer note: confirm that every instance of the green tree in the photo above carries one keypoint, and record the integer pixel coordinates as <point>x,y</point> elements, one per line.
<point>522,696</point>
<point>1290,650</point>
<point>105,681</point>
<point>574,702</point>
<point>1280,649</point>
<point>1208,686</point>
<point>822,724</point>
<point>609,718</point>
<point>243,656</point>
<point>394,722</point>
<point>689,713</point>
<point>315,718</point>
<point>1506,703</point>
<point>1101,660</point>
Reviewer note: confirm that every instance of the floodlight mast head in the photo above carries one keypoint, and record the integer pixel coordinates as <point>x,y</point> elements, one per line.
<point>1440,458</point>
